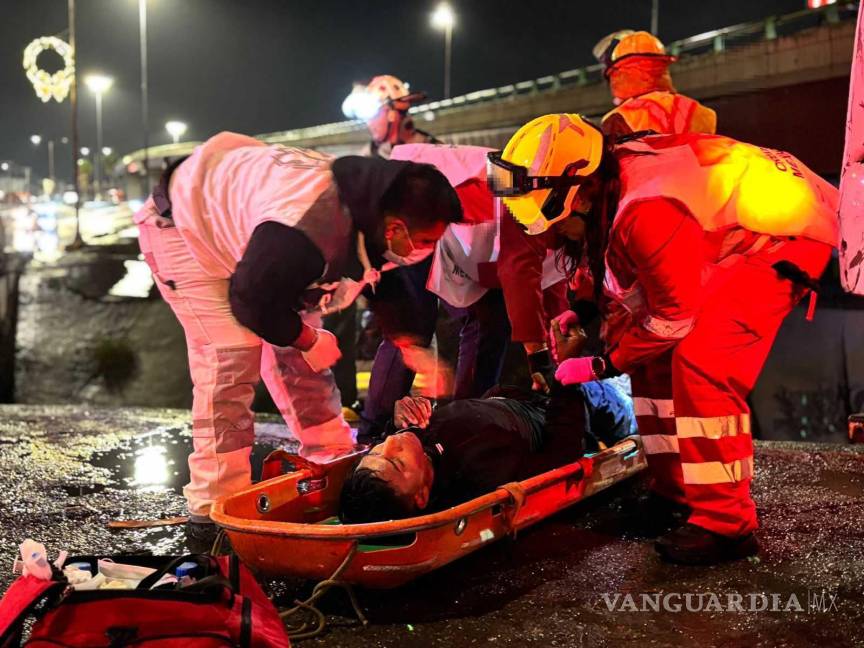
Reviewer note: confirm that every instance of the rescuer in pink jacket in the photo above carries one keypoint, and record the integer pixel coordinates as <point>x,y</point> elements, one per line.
<point>249,244</point>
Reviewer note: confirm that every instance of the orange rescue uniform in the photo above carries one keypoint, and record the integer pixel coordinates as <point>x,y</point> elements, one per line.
<point>693,303</point>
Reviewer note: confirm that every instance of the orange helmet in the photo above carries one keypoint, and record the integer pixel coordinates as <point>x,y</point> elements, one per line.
<point>626,43</point>
<point>635,63</point>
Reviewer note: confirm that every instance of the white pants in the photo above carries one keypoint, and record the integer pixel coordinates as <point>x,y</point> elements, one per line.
<point>226,361</point>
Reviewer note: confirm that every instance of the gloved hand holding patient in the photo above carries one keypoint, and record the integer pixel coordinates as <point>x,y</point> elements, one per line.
<point>319,348</point>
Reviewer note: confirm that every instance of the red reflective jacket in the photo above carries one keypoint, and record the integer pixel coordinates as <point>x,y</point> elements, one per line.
<point>691,206</point>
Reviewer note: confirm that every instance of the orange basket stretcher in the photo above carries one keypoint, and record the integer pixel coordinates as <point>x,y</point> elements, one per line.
<point>286,525</point>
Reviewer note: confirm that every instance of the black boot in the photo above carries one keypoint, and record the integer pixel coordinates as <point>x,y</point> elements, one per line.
<point>200,537</point>
<point>693,545</point>
<point>656,515</point>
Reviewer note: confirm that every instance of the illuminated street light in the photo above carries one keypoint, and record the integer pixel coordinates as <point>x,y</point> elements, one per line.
<point>176,129</point>
<point>98,84</point>
<point>443,18</point>
<point>4,166</point>
<point>36,140</point>
<point>107,150</point>
<point>85,151</point>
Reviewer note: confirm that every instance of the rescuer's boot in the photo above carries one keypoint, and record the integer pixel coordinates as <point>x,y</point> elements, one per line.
<point>693,545</point>
<point>201,536</point>
<point>656,515</point>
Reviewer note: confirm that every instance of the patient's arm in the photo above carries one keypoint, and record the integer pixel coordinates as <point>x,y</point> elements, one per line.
<point>567,345</point>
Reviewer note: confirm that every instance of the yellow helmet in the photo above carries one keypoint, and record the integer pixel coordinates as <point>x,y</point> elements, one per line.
<point>539,171</point>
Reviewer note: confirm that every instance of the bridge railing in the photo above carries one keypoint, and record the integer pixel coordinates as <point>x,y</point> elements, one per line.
<point>716,40</point>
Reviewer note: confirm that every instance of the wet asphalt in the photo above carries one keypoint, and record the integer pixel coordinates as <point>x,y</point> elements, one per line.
<point>65,472</point>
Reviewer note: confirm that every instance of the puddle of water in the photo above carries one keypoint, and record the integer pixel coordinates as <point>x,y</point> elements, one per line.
<point>842,482</point>
<point>158,461</point>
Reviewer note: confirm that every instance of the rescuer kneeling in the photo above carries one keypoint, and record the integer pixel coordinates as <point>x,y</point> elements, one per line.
<point>249,244</point>
<point>701,245</point>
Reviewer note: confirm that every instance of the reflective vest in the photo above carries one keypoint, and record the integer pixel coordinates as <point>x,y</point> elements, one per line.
<point>745,198</point>
<point>726,184</point>
<point>662,112</point>
<point>457,274</point>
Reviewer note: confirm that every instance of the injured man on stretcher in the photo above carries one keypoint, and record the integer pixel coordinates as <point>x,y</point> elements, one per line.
<point>438,458</point>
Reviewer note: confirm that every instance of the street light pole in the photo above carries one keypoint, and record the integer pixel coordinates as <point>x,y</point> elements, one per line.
<point>98,85</point>
<point>77,242</point>
<point>448,45</point>
<point>51,161</point>
<point>655,16</point>
<point>98,157</point>
<point>145,107</point>
<point>444,18</point>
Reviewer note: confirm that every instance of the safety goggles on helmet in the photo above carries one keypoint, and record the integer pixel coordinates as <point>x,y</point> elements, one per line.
<point>506,179</point>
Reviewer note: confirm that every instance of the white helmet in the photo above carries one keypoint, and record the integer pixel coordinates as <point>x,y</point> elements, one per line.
<point>381,103</point>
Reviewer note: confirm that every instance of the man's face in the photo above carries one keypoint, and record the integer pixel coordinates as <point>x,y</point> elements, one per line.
<point>403,242</point>
<point>581,202</point>
<point>385,125</point>
<point>401,462</point>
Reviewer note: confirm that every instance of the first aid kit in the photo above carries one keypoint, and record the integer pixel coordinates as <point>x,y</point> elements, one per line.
<point>170,602</point>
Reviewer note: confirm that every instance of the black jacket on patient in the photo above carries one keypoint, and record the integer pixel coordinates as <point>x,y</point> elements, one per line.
<point>476,445</point>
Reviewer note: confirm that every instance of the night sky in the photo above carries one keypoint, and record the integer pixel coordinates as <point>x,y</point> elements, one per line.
<point>258,66</point>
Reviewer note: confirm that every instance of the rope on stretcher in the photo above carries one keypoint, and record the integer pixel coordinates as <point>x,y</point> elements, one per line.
<point>305,630</point>
<point>302,629</point>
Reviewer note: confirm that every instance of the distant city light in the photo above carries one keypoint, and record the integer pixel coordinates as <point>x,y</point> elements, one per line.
<point>107,150</point>
<point>85,151</point>
<point>176,129</point>
<point>36,140</point>
<point>443,16</point>
<point>4,166</point>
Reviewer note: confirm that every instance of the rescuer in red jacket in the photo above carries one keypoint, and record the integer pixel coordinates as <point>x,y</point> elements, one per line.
<point>636,66</point>
<point>702,246</point>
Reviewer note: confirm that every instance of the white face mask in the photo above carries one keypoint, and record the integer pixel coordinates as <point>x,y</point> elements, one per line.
<point>415,256</point>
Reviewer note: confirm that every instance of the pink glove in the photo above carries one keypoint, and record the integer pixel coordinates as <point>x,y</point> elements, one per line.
<point>323,353</point>
<point>566,320</point>
<point>576,371</point>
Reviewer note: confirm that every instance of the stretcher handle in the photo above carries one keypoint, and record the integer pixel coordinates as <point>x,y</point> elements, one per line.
<point>509,512</point>
<point>272,466</point>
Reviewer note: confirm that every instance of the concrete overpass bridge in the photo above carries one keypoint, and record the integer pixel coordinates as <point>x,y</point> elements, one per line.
<point>780,82</point>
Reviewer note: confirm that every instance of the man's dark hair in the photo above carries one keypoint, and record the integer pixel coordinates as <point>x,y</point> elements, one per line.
<point>422,196</point>
<point>366,497</point>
